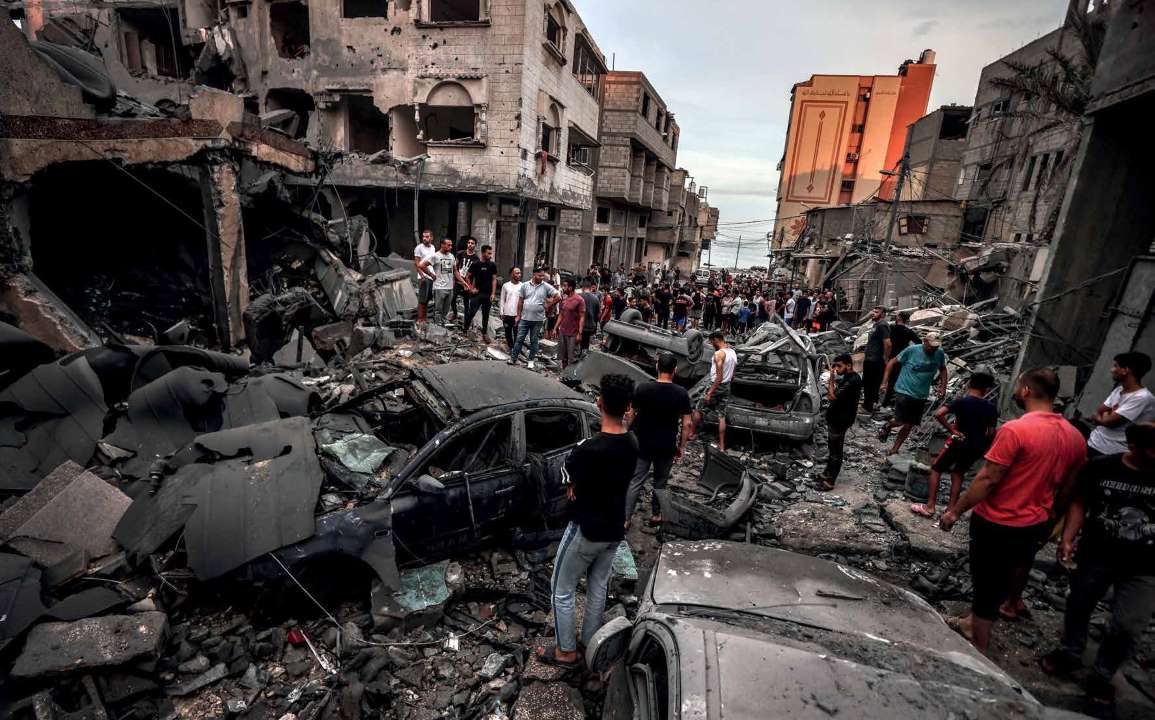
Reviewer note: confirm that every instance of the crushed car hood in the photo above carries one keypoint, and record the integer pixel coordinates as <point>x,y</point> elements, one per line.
<point>807,591</point>
<point>479,384</point>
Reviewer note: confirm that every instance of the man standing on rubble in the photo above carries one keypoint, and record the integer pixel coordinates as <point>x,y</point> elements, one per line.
<point>593,300</point>
<point>878,349</point>
<point>571,323</point>
<point>918,365</point>
<point>534,299</point>
<point>721,373</point>
<point>444,266</point>
<point>482,274</point>
<point>510,300</point>
<point>1128,403</point>
<point>802,310</point>
<point>661,423</point>
<point>465,260</point>
<point>1114,505</point>
<point>1033,460</point>
<point>901,337</point>
<point>422,257</point>
<point>843,390</point>
<point>597,475</point>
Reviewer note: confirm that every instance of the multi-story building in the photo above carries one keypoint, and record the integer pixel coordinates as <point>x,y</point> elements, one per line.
<point>845,134</point>
<point>467,117</point>
<point>1018,148</point>
<point>674,237</point>
<point>935,144</point>
<point>636,161</point>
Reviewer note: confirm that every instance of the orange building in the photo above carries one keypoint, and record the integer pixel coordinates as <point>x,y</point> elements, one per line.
<point>845,131</point>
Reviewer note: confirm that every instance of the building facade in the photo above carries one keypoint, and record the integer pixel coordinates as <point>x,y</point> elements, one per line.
<point>636,164</point>
<point>934,149</point>
<point>467,117</point>
<point>844,133</point>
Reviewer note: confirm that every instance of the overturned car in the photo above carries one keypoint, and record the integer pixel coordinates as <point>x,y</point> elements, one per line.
<point>641,343</point>
<point>775,390</point>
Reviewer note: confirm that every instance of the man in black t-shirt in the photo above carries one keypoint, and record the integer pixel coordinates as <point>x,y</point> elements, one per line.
<point>483,274</point>
<point>597,474</point>
<point>662,421</point>
<point>843,390</point>
<point>879,350</point>
<point>662,300</point>
<point>971,434</point>
<point>465,259</point>
<point>593,310</point>
<point>901,337</point>
<point>1114,505</point>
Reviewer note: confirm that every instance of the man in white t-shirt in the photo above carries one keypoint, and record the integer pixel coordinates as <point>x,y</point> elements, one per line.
<point>422,254</point>
<point>444,267</point>
<point>510,301</point>
<point>1127,404</point>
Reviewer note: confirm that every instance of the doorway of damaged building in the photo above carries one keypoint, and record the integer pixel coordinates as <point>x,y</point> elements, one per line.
<point>125,249</point>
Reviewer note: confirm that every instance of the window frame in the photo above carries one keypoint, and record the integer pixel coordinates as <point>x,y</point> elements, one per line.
<point>575,413</point>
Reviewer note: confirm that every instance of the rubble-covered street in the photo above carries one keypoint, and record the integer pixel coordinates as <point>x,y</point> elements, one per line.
<point>337,338</point>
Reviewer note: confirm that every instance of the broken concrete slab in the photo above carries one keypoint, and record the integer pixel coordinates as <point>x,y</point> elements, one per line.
<point>70,506</point>
<point>923,534</point>
<point>214,674</point>
<point>812,528</point>
<point>56,648</point>
<point>549,701</point>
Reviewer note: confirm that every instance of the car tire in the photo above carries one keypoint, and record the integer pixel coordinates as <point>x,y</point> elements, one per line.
<point>695,345</point>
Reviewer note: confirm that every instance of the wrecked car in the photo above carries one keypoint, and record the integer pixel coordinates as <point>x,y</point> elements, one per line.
<point>440,461</point>
<point>641,343</point>
<point>775,390</point>
<point>735,630</point>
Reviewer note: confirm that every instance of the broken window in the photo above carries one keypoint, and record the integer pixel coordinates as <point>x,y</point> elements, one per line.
<point>555,29</point>
<point>587,67</point>
<point>913,225</point>
<point>642,220</point>
<point>364,8</point>
<point>954,126</point>
<point>551,131</point>
<point>974,223</point>
<point>579,155</point>
<point>1030,174</point>
<point>476,450</point>
<point>289,25</point>
<point>550,430</point>
<point>150,42</point>
<point>288,110</point>
<point>645,104</point>
<point>448,114</point>
<point>603,215</point>
<point>368,126</point>
<point>546,235</point>
<point>454,10</point>
<point>983,176</point>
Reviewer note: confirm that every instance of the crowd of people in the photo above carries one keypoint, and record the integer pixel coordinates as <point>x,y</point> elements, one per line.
<point>1041,478</point>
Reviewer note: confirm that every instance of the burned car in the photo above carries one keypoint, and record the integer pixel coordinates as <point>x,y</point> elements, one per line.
<point>736,630</point>
<point>775,390</point>
<point>641,343</point>
<point>431,464</point>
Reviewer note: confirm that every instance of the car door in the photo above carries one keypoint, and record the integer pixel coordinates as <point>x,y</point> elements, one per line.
<point>550,434</point>
<point>478,473</point>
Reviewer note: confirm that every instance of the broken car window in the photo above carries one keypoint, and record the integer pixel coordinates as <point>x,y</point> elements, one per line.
<point>546,431</point>
<point>476,450</point>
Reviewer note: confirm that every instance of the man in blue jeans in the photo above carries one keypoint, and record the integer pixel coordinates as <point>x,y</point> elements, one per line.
<point>662,423</point>
<point>535,297</point>
<point>597,474</point>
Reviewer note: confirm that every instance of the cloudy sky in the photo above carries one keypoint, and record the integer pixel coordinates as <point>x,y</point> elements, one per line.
<point>726,68</point>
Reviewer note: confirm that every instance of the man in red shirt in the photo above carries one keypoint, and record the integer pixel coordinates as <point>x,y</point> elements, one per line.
<point>570,324</point>
<point>1032,460</point>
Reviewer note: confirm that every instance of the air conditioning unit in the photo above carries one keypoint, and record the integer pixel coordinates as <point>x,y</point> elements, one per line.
<point>851,157</point>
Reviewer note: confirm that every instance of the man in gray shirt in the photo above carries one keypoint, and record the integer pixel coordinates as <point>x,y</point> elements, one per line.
<point>536,297</point>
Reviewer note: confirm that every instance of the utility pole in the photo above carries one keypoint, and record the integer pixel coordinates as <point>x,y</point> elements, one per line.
<point>738,252</point>
<point>903,167</point>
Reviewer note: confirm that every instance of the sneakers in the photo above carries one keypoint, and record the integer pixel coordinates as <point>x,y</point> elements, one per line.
<point>529,365</point>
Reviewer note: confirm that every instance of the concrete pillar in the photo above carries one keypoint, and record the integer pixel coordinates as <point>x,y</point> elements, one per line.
<point>228,273</point>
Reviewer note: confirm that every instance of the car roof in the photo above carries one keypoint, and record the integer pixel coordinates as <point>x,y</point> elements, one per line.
<point>474,385</point>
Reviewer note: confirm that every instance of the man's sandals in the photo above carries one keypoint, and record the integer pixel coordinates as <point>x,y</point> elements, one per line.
<point>547,654</point>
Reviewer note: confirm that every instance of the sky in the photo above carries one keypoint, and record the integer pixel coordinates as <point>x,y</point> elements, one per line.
<point>725,69</point>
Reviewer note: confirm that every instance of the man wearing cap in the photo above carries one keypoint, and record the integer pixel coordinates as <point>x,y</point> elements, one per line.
<point>916,366</point>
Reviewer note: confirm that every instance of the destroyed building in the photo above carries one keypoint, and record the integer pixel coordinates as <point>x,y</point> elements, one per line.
<point>674,237</point>
<point>469,118</point>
